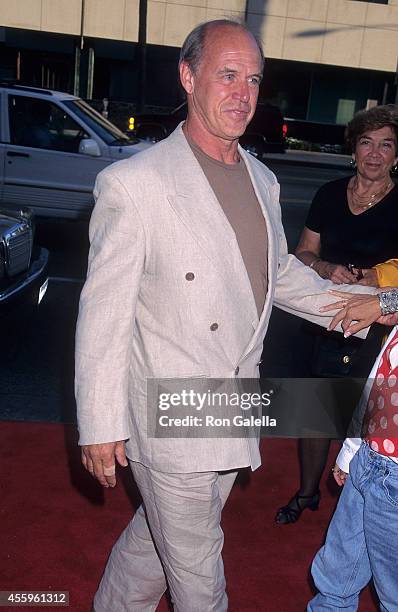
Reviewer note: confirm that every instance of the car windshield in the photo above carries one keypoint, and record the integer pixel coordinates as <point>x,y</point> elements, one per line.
<point>101,126</point>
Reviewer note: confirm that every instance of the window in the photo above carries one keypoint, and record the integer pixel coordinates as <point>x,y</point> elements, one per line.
<point>43,125</point>
<point>345,111</point>
<point>101,126</point>
<point>374,1</point>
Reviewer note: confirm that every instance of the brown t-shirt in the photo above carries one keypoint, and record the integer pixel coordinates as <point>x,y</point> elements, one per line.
<point>234,190</point>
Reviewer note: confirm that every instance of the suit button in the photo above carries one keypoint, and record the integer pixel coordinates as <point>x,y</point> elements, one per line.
<point>236,370</point>
<point>346,359</point>
<point>214,326</point>
<point>189,276</point>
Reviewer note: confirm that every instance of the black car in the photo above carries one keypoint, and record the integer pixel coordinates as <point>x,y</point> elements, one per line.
<point>23,267</point>
<point>265,133</point>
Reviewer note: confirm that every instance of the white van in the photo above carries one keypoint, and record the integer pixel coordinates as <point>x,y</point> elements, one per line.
<point>52,146</point>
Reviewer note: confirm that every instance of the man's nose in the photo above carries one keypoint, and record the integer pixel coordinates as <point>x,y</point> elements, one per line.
<point>242,91</point>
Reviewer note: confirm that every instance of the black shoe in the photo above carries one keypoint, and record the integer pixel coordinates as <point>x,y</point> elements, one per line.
<point>292,512</point>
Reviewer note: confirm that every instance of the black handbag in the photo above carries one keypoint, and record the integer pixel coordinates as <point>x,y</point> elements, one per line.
<point>333,355</point>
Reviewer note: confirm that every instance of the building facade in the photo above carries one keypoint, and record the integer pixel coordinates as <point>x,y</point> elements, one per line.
<point>326,59</point>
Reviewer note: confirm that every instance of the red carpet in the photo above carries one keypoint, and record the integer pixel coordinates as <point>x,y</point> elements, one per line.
<point>57,525</point>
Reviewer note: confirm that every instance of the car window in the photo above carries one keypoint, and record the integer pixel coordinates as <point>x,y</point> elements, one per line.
<point>43,125</point>
<point>101,126</point>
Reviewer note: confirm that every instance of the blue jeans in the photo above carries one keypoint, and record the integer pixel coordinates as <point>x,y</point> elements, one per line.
<point>362,540</point>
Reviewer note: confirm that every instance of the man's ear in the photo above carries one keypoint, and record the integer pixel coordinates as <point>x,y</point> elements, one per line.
<point>186,78</point>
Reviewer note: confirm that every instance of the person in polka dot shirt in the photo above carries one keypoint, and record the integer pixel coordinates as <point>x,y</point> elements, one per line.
<point>362,539</point>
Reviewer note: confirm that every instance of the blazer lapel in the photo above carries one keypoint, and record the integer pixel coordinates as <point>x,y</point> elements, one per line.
<point>265,191</point>
<point>194,202</point>
<point>198,208</point>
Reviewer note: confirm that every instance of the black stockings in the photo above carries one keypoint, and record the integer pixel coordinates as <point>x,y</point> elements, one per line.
<point>313,454</point>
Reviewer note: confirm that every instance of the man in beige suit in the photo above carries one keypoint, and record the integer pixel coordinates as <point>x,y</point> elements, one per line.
<point>187,256</point>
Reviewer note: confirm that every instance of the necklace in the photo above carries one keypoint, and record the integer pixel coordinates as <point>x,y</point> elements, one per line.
<point>367,201</point>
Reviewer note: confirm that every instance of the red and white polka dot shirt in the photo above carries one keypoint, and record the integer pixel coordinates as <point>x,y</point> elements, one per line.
<point>380,427</point>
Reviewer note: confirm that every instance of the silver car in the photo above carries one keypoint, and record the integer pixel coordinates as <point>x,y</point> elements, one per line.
<point>52,146</point>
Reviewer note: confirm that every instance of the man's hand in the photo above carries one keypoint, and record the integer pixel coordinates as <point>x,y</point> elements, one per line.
<point>357,311</point>
<point>339,476</point>
<point>100,461</point>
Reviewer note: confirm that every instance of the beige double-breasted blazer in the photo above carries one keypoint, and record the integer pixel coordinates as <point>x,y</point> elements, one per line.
<point>167,295</point>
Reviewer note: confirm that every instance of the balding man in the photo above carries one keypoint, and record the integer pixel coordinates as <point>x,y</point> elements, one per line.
<point>187,256</point>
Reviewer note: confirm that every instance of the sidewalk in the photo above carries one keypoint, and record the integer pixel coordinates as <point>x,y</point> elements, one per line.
<point>310,158</point>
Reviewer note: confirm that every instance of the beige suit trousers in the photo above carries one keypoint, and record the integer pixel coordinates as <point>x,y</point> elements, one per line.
<point>174,539</point>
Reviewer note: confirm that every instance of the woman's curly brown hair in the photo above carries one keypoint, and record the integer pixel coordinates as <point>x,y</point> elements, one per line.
<point>375,118</point>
